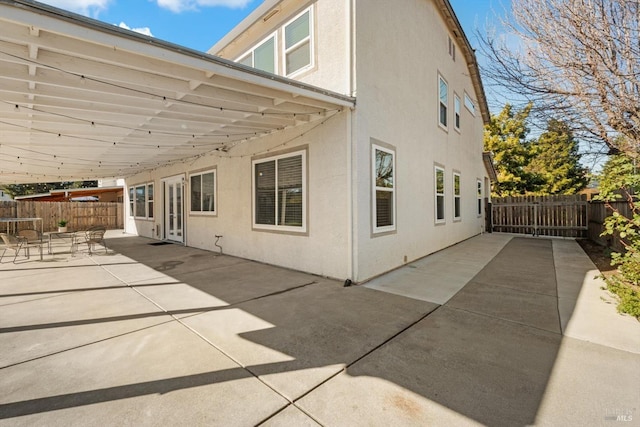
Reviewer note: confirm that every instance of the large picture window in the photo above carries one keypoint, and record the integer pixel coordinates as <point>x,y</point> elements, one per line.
<point>456,196</point>
<point>279,191</point>
<point>443,101</point>
<point>384,206</point>
<point>439,192</point>
<point>203,192</point>
<point>141,201</point>
<point>298,48</point>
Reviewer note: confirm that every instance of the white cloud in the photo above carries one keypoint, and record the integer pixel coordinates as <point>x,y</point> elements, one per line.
<point>84,7</point>
<point>142,30</point>
<point>178,6</point>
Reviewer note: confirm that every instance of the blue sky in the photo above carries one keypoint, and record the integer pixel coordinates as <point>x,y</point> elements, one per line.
<point>198,24</point>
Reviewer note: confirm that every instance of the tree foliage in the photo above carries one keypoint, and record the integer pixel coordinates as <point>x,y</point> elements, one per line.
<point>44,187</point>
<point>505,136</point>
<point>555,161</point>
<point>575,59</point>
<point>620,180</point>
<point>549,164</point>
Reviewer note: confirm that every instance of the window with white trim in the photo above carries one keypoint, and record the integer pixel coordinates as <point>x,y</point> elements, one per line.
<point>262,56</point>
<point>202,191</point>
<point>384,207</point>
<point>456,196</point>
<point>132,200</point>
<point>443,101</point>
<point>280,191</point>
<point>439,194</point>
<point>469,104</point>
<point>141,201</point>
<point>479,183</point>
<point>298,43</point>
<point>150,200</point>
<point>456,112</point>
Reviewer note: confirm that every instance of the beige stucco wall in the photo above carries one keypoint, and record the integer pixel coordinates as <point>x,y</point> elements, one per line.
<point>323,250</point>
<point>331,31</point>
<point>399,56</point>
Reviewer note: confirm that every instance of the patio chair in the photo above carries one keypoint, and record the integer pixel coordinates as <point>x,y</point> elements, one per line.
<point>95,235</point>
<point>32,236</point>
<point>15,244</point>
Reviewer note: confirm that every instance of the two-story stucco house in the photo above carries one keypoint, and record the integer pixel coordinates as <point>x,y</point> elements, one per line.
<point>362,191</point>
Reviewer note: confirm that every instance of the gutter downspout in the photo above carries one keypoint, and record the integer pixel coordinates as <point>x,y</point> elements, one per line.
<point>352,269</point>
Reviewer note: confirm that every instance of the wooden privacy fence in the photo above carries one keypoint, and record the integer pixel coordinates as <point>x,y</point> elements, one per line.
<point>565,216</point>
<point>80,215</point>
<point>598,211</point>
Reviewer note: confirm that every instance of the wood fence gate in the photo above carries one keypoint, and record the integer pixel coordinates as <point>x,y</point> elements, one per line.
<point>565,216</point>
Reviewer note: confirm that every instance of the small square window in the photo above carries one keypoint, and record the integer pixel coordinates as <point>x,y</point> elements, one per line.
<point>203,192</point>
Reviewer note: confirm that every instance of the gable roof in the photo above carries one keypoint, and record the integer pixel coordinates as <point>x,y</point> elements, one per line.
<point>81,99</point>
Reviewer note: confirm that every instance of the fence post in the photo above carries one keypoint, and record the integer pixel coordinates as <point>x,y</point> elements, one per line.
<point>535,219</point>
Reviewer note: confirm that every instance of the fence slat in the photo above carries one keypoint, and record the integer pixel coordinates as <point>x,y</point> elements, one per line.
<point>80,216</point>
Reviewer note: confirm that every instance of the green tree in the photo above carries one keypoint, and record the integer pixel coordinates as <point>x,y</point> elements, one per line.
<point>506,137</point>
<point>620,180</point>
<point>44,187</point>
<point>555,161</point>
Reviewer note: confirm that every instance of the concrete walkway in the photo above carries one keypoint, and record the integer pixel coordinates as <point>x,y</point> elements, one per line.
<point>498,330</point>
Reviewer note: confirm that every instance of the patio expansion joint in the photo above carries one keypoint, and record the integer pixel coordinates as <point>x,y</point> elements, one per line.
<point>86,344</point>
<point>477,313</point>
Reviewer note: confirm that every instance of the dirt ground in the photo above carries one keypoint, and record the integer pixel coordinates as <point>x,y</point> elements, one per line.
<point>599,255</point>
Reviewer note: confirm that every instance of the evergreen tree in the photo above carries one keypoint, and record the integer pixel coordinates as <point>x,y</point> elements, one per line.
<point>506,137</point>
<point>555,161</point>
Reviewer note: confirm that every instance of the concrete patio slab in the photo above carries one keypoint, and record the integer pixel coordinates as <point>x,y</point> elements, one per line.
<point>587,310</point>
<point>45,326</point>
<point>175,335</point>
<point>290,416</point>
<point>527,308</point>
<point>295,340</point>
<point>452,368</point>
<point>37,283</point>
<point>126,380</point>
<point>589,384</point>
<point>440,276</point>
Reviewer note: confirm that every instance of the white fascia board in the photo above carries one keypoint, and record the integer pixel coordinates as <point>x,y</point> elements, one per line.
<point>55,20</point>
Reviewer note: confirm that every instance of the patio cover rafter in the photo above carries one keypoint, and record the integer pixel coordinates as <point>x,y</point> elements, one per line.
<point>81,99</point>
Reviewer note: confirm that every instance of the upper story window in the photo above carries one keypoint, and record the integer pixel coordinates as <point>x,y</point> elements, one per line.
<point>280,192</point>
<point>298,49</point>
<point>457,208</point>
<point>384,206</point>
<point>203,192</point>
<point>443,101</point>
<point>469,104</point>
<point>263,56</point>
<point>439,194</point>
<point>456,112</point>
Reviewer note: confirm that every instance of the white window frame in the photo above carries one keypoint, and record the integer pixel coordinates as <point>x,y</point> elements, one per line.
<point>375,189</point>
<point>441,104</point>
<point>457,196</point>
<point>213,212</point>
<point>457,118</point>
<point>150,200</point>
<point>469,104</point>
<point>305,189</point>
<point>148,204</point>
<point>480,198</point>
<point>437,195</point>
<point>310,38</point>
<point>251,52</point>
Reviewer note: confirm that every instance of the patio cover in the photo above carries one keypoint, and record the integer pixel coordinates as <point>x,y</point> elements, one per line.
<point>81,99</point>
